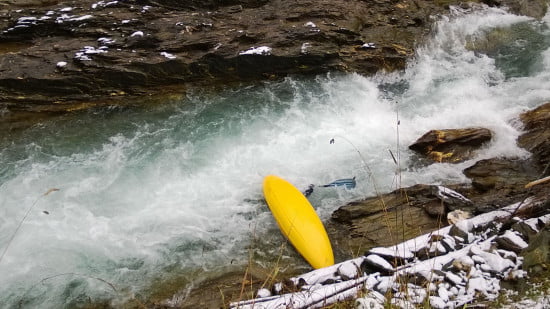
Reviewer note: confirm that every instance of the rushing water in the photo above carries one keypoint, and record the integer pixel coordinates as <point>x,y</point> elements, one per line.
<point>147,191</point>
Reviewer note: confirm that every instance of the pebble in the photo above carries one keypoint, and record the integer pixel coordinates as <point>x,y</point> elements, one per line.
<point>455,279</point>
<point>263,293</point>
<point>348,271</point>
<point>368,303</point>
<point>379,263</point>
<point>392,252</point>
<point>437,302</point>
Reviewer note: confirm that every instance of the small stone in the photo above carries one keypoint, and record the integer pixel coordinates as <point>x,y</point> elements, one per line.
<point>477,284</point>
<point>401,303</point>
<point>452,199</point>
<point>511,241</point>
<point>461,229</point>
<point>486,268</point>
<point>457,215</point>
<point>437,249</point>
<point>277,288</point>
<point>385,284</point>
<point>377,263</point>
<point>443,293</point>
<point>510,255</point>
<point>367,303</point>
<point>528,228</point>
<point>263,293</point>
<point>437,302</point>
<point>392,253</point>
<point>449,243</point>
<point>516,275</point>
<point>348,271</point>
<point>454,279</point>
<point>478,259</point>
<point>464,263</point>
<point>496,262</point>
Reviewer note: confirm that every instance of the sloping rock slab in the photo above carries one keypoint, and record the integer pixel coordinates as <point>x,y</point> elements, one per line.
<point>500,174</point>
<point>473,268</point>
<point>401,214</point>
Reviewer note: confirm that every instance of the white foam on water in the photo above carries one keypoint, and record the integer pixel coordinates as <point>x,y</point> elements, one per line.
<point>179,187</point>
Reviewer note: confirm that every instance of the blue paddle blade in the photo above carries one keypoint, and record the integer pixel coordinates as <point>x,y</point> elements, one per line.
<point>348,183</point>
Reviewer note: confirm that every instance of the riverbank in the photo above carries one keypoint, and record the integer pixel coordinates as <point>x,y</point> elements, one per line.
<point>62,56</point>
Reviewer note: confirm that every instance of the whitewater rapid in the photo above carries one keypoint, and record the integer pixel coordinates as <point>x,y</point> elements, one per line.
<point>144,192</point>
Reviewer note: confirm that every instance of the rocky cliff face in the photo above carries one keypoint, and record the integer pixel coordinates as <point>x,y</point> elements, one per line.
<point>57,56</point>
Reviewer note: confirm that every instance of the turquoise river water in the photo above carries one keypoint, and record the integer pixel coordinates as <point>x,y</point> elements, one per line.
<point>143,192</point>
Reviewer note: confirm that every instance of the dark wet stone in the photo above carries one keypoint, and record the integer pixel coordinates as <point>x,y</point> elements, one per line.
<point>510,243</point>
<point>452,145</point>
<point>374,263</point>
<point>500,174</point>
<point>536,139</point>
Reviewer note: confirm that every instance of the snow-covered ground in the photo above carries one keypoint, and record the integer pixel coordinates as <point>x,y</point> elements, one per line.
<point>447,268</point>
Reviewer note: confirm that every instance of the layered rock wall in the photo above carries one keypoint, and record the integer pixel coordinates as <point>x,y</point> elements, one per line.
<point>59,55</point>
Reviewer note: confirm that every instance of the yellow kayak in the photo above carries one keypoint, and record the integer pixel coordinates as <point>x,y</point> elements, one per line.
<point>298,221</point>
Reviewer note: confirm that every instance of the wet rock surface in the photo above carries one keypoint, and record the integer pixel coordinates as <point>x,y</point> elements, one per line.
<point>55,53</point>
<point>451,145</point>
<point>384,220</point>
<point>58,56</point>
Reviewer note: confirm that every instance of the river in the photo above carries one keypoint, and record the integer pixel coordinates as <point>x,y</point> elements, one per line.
<point>100,204</point>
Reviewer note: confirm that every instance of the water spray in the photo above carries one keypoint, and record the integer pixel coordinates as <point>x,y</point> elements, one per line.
<point>23,220</point>
<point>364,163</point>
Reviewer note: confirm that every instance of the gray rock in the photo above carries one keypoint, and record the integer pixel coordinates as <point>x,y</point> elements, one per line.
<point>511,241</point>
<point>453,278</point>
<point>452,199</point>
<point>461,229</point>
<point>375,263</point>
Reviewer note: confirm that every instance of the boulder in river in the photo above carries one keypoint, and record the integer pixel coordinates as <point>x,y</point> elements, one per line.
<point>451,145</point>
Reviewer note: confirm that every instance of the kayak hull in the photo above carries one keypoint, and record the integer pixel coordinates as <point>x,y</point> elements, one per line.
<point>298,221</point>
